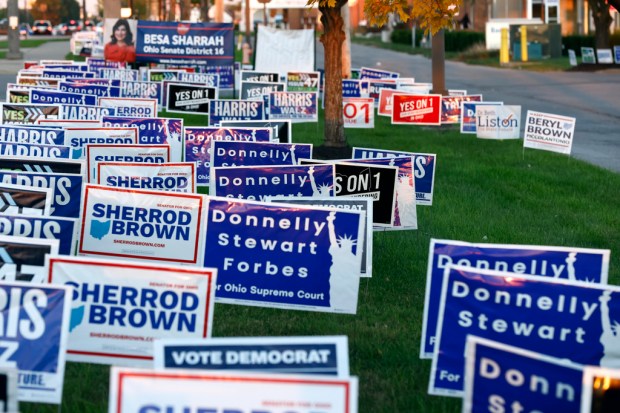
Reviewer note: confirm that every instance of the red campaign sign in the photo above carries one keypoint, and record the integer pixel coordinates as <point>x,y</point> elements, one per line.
<point>358,112</point>
<point>416,109</point>
<point>385,101</point>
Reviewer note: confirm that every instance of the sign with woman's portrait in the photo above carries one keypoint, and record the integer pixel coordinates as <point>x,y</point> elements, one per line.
<point>119,39</point>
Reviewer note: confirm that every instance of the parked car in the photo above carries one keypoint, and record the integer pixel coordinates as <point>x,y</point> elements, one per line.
<point>88,26</point>
<point>73,26</point>
<point>42,27</point>
<point>60,29</point>
<point>25,30</point>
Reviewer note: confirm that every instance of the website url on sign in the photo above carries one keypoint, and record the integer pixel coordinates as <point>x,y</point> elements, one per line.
<point>140,243</point>
<point>121,337</point>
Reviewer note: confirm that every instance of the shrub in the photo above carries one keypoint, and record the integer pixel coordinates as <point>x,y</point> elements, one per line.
<point>403,36</point>
<point>460,41</point>
<point>576,42</point>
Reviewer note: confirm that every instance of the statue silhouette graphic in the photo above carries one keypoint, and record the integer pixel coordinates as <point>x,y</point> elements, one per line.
<point>610,338</point>
<point>342,290</point>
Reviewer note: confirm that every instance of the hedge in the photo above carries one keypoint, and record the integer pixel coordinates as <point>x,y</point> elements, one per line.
<point>455,41</point>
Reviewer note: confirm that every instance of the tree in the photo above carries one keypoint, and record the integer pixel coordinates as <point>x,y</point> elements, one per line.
<point>602,20</point>
<point>432,16</point>
<point>55,10</point>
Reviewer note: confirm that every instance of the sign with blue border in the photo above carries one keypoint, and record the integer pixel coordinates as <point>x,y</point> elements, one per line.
<point>570,320</point>
<point>297,106</point>
<point>54,97</point>
<point>32,135</point>
<point>235,153</point>
<point>84,112</point>
<point>220,110</point>
<point>34,150</point>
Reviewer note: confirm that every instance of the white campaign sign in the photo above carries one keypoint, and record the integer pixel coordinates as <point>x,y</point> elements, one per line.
<point>498,121</point>
<point>282,51</point>
<point>147,225</point>
<point>549,132</point>
<point>120,307</point>
<point>78,138</point>
<point>123,153</point>
<point>173,177</point>
<point>133,390</point>
<point>358,112</point>
<point>131,107</point>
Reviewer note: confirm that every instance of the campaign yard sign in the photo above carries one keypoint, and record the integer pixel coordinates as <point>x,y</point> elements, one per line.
<point>14,163</point>
<point>85,112</point>
<point>236,153</point>
<point>347,203</point>
<point>66,189</point>
<point>303,81</point>
<point>601,390</point>
<point>187,98</point>
<point>386,101</point>
<point>604,56</point>
<point>326,355</point>
<point>133,390</point>
<point>468,115</point>
<point>256,90</point>
<point>498,121</point>
<point>549,132</point>
<point>282,129</point>
<point>44,96</point>
<point>44,227</point>
<point>24,200</point>
<point>61,124</point>
<point>120,307</point>
<point>565,319</point>
<point>285,256</point>
<point>261,182</point>
<point>617,54</point>
<point>375,87</point>
<point>90,89</point>
<point>499,377</point>
<point>220,110</point>
<point>20,113</point>
<point>572,57</point>
<point>23,259</point>
<point>32,135</point>
<point>451,107</point>
<point>587,55</point>
<point>371,73</point>
<point>35,150</point>
<point>131,107</point>
<point>154,131</point>
<point>198,144</point>
<point>575,264</point>
<point>254,76</point>
<point>416,109</point>
<point>352,88</point>
<point>173,177</point>
<point>297,106</point>
<point>123,153</point>
<point>207,79</point>
<point>8,390</point>
<point>358,113</point>
<point>118,74</point>
<point>142,224</point>
<point>78,138</point>
<point>142,90</point>
<point>35,343</point>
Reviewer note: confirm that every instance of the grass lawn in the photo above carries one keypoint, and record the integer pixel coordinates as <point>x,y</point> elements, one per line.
<point>485,191</point>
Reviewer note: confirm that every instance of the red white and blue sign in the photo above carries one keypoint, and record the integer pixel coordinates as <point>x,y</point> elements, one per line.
<point>285,256</point>
<point>54,97</point>
<point>34,338</point>
<point>297,106</point>
<point>220,110</point>
<point>231,153</point>
<point>32,135</point>
<point>62,229</point>
<point>569,320</point>
<point>575,264</point>
<point>35,150</point>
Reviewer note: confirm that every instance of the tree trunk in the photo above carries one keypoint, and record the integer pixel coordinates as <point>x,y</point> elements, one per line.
<point>332,38</point>
<point>438,63</point>
<point>602,20</point>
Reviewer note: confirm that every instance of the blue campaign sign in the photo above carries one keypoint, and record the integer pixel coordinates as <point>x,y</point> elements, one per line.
<point>85,112</point>
<point>293,355</point>
<point>468,115</point>
<point>374,89</point>
<point>118,74</point>
<point>569,320</point>
<point>369,73</point>
<point>575,264</point>
<point>154,131</point>
<point>93,81</point>
<point>198,145</point>
<point>451,107</point>
<point>32,135</point>
<point>62,229</point>
<point>203,44</point>
<point>66,189</point>
<point>499,377</point>
<point>52,97</point>
<point>34,337</point>
<point>93,89</point>
<point>229,153</point>
<point>297,106</point>
<point>35,150</point>
<point>351,88</point>
<point>66,74</point>
<point>260,182</point>
<point>423,169</point>
<point>142,90</point>
<point>285,256</point>
<point>220,110</point>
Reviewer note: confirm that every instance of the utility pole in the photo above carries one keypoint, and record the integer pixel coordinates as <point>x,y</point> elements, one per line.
<point>13,32</point>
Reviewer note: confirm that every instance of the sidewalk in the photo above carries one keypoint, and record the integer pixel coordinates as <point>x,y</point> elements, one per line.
<point>50,50</point>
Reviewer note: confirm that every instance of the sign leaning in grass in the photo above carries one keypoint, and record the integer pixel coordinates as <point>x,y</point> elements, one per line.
<point>576,264</point>
<point>285,256</point>
<point>416,109</point>
<point>499,377</point>
<point>587,55</point>
<point>358,112</point>
<point>120,302</point>
<point>468,115</point>
<point>133,390</point>
<point>565,319</point>
<point>37,342</point>
<point>498,121</point>
<point>549,132</point>
<point>328,355</point>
